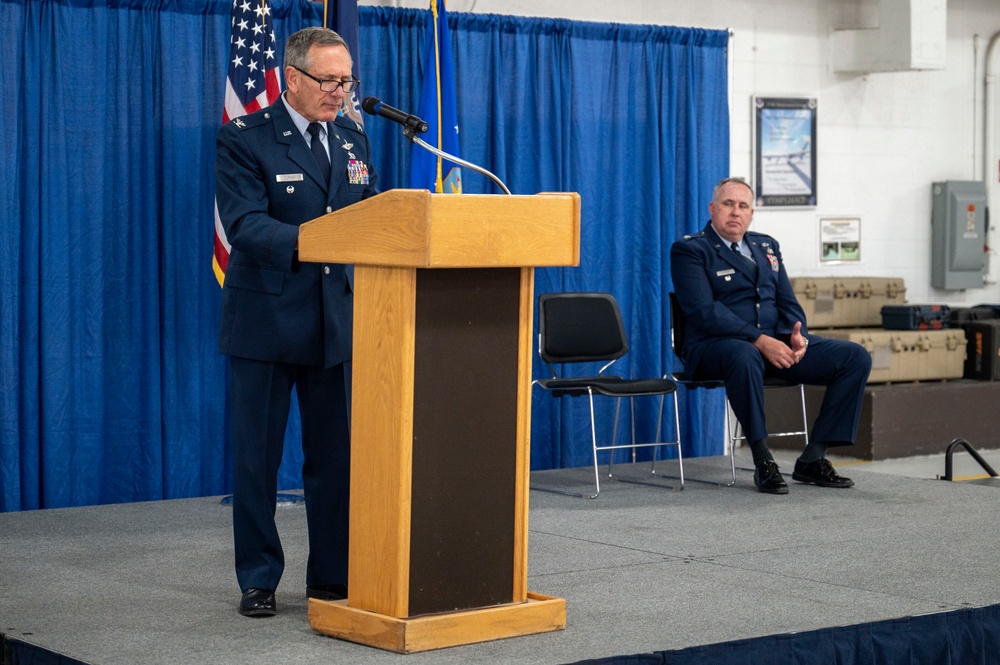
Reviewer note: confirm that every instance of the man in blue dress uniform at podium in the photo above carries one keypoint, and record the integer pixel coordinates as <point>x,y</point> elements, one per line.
<point>286,323</point>
<point>743,322</point>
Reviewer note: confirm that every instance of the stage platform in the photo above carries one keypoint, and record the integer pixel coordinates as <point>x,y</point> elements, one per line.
<point>644,570</point>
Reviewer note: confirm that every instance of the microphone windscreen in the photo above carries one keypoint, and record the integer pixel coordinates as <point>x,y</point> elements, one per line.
<point>370,105</point>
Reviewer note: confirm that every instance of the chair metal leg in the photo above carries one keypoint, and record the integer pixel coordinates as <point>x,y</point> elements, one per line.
<point>659,433</point>
<point>614,438</point>
<point>614,441</point>
<point>732,448</point>
<point>597,478</point>
<point>633,445</point>
<point>735,431</point>
<point>677,433</point>
<point>805,418</point>
<point>675,442</point>
<point>657,443</point>
<point>593,439</point>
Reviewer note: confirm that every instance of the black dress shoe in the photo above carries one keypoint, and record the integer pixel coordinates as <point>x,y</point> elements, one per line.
<point>327,591</point>
<point>258,603</point>
<point>768,479</point>
<point>820,473</point>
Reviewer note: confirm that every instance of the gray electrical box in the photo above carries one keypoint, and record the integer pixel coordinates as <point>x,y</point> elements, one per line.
<point>958,234</point>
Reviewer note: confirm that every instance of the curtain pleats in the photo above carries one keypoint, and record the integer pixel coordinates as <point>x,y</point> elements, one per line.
<point>111,386</point>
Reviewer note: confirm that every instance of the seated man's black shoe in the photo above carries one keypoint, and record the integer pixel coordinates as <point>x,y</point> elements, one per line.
<point>258,603</point>
<point>768,479</point>
<point>327,591</point>
<point>820,473</point>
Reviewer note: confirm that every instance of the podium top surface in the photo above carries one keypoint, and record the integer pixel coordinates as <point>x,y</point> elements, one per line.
<point>415,228</point>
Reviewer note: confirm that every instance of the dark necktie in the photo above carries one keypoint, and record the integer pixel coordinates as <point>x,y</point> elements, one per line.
<point>736,248</point>
<point>319,152</point>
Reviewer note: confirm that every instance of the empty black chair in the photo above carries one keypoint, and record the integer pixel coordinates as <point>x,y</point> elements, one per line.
<point>734,430</point>
<point>588,328</point>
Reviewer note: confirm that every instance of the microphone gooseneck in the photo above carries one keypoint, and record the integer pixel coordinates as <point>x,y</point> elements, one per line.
<point>412,125</point>
<point>412,136</point>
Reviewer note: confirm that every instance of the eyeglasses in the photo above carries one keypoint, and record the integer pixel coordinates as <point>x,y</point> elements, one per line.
<point>331,85</point>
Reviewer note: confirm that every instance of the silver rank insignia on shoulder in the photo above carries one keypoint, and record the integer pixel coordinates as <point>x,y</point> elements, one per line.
<point>239,122</point>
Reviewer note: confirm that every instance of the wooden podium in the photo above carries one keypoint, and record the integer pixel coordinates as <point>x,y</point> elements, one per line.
<point>441,403</point>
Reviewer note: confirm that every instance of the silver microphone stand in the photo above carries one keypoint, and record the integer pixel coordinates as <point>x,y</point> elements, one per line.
<point>412,135</point>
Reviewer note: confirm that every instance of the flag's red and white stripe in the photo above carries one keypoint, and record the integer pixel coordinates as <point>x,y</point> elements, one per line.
<point>253,83</point>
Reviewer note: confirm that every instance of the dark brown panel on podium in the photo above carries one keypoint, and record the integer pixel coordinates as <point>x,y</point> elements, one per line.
<point>464,429</point>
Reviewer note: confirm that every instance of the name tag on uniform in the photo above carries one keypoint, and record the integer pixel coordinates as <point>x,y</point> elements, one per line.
<point>288,177</point>
<point>723,273</point>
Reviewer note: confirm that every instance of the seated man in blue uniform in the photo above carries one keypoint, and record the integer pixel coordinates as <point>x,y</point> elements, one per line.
<point>286,323</point>
<point>743,323</point>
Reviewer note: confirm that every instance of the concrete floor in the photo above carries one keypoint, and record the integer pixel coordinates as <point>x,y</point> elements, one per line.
<point>964,466</point>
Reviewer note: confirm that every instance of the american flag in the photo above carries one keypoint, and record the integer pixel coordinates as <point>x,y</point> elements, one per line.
<point>253,83</point>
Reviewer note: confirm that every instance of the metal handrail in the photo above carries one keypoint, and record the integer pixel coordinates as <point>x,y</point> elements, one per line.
<point>972,451</point>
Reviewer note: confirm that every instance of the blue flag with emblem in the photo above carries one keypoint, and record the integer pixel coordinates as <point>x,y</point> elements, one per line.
<point>437,107</point>
<point>341,16</point>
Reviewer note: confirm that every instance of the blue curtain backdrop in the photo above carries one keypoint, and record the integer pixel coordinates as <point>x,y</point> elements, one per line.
<point>111,388</point>
<point>634,118</point>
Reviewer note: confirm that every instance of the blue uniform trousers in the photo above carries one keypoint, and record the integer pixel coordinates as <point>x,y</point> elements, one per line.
<point>261,399</point>
<point>839,365</point>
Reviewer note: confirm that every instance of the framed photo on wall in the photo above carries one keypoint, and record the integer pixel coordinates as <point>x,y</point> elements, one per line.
<point>785,151</point>
<point>839,239</point>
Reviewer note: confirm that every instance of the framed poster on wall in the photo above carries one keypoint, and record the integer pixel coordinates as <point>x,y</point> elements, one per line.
<point>785,151</point>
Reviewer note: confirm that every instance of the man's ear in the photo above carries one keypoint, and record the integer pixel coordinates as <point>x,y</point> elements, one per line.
<point>292,79</point>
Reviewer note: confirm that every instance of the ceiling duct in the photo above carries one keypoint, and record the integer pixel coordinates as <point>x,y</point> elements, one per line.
<point>912,35</point>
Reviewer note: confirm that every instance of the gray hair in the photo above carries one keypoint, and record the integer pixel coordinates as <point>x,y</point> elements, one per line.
<point>725,181</point>
<point>298,45</point>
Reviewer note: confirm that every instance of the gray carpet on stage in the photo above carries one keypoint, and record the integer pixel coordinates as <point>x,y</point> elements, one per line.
<point>642,569</point>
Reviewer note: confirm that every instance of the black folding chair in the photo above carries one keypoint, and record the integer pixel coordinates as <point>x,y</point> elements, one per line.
<point>588,328</point>
<point>734,430</point>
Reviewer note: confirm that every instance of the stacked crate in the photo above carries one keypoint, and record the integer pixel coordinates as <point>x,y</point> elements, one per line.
<point>982,330</point>
<point>851,308</point>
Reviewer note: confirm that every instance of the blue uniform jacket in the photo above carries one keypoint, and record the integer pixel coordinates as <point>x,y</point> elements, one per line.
<point>267,184</point>
<point>721,298</point>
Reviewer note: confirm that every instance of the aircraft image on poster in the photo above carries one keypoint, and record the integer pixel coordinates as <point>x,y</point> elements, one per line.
<point>786,152</point>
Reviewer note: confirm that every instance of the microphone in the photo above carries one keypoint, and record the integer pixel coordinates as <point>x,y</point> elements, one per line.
<point>374,106</point>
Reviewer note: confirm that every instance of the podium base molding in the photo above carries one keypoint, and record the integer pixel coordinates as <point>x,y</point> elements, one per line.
<point>539,614</point>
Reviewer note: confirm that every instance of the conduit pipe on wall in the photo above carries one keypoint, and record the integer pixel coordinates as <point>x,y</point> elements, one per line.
<point>989,126</point>
<point>991,166</point>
